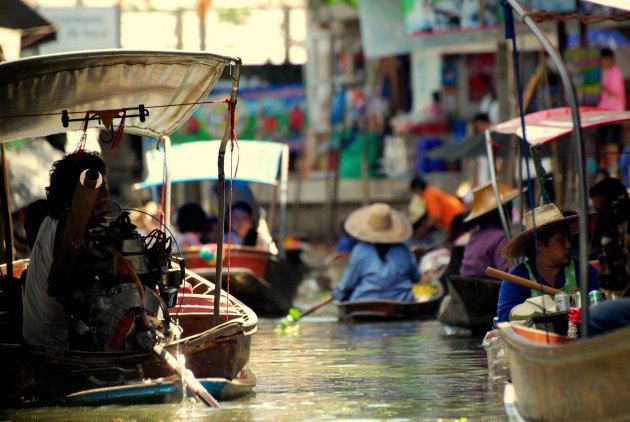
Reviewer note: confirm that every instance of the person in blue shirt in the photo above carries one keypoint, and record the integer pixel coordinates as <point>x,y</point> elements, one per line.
<point>548,256</point>
<point>381,266</point>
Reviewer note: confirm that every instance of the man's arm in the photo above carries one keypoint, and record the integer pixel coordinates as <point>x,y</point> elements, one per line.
<point>511,294</point>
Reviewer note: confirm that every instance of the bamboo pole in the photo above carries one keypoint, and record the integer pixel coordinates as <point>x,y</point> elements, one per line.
<point>502,275</point>
<point>221,193</point>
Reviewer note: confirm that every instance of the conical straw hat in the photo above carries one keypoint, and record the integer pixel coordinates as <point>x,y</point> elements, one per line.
<point>484,199</point>
<point>545,216</point>
<point>378,223</point>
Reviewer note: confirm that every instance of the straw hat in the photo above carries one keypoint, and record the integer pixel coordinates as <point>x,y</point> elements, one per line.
<point>417,209</point>
<point>378,223</point>
<point>484,199</point>
<point>545,216</point>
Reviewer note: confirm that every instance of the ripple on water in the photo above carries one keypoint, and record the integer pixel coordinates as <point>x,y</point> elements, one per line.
<point>405,371</point>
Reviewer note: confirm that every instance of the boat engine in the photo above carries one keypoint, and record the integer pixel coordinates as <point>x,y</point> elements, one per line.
<point>123,283</point>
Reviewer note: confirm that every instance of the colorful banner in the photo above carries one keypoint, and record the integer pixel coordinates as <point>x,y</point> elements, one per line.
<point>274,113</point>
<point>584,65</point>
<point>431,17</point>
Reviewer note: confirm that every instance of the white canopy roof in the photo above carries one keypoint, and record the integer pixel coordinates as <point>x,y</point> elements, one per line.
<point>253,161</point>
<point>35,90</point>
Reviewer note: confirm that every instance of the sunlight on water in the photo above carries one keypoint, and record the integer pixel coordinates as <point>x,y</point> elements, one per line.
<point>405,371</point>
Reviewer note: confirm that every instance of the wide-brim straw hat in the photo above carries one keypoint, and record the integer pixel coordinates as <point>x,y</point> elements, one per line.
<point>378,223</point>
<point>484,199</point>
<point>545,216</point>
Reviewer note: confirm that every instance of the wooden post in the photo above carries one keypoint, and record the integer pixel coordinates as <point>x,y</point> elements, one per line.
<point>6,224</point>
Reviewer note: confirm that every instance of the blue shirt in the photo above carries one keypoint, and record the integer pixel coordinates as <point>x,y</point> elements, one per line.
<point>511,294</point>
<point>367,277</point>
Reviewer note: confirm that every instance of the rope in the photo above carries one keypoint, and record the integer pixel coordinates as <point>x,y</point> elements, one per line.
<point>233,172</point>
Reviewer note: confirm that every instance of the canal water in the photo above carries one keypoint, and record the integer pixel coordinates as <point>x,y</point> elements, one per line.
<point>331,371</point>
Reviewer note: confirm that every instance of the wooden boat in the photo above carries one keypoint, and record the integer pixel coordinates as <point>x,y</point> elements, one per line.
<point>217,355</point>
<point>471,303</point>
<point>265,282</point>
<point>386,309</point>
<point>215,341</point>
<point>558,379</point>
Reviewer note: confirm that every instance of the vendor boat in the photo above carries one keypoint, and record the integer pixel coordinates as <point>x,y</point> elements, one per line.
<point>554,377</point>
<point>390,310</point>
<point>471,303</point>
<point>207,329</point>
<point>264,280</point>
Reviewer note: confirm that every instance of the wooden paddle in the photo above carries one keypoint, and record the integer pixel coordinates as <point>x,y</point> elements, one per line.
<point>316,306</point>
<point>186,375</point>
<point>502,275</point>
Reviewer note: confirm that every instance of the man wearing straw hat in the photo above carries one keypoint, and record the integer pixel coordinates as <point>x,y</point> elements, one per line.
<point>381,266</point>
<point>546,243</point>
<point>487,238</point>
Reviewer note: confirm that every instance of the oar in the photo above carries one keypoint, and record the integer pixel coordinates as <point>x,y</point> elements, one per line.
<point>186,375</point>
<point>502,275</point>
<point>295,315</point>
<point>316,306</point>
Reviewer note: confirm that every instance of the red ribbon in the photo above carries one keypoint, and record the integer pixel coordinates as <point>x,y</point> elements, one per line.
<point>575,315</point>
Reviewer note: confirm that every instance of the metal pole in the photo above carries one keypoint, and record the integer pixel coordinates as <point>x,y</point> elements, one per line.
<point>167,183</point>
<point>570,92</point>
<point>284,179</point>
<point>495,185</point>
<point>221,193</point>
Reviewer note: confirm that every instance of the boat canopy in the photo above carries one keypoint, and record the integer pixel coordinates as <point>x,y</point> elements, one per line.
<point>169,84</point>
<point>253,161</point>
<point>548,125</point>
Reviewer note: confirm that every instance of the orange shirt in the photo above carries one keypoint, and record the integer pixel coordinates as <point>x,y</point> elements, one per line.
<point>442,205</point>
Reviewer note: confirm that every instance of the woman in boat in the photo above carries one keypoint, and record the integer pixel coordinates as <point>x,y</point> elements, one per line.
<point>44,316</point>
<point>549,262</point>
<point>244,230</point>
<point>194,225</point>
<point>381,266</point>
<point>487,237</point>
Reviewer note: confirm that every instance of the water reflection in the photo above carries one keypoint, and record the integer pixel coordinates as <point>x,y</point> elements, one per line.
<point>404,371</point>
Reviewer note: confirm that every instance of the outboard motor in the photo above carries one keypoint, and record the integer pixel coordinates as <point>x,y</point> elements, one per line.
<point>118,270</point>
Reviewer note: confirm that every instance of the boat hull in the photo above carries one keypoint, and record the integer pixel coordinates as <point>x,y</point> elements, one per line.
<point>387,309</point>
<point>37,375</point>
<point>471,303</point>
<point>261,280</point>
<point>582,380</point>
<point>163,390</point>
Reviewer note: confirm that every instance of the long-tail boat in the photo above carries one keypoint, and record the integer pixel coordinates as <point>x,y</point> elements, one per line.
<point>146,93</point>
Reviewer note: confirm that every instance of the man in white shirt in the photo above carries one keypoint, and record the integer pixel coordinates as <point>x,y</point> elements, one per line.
<point>44,316</point>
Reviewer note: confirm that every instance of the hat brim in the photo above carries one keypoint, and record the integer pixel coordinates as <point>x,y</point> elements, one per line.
<point>356,226</point>
<point>483,211</point>
<point>515,248</point>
